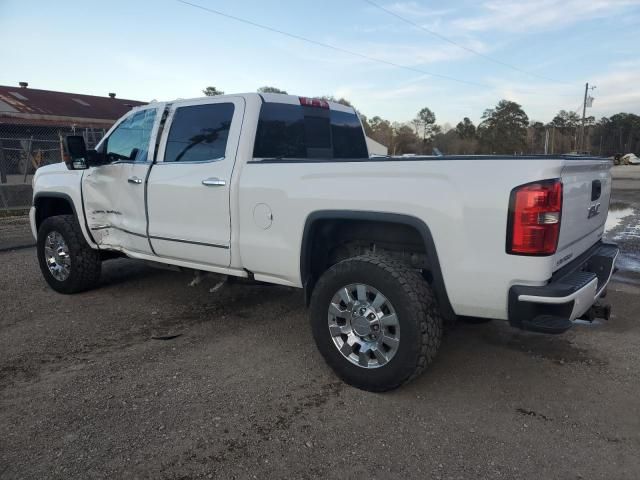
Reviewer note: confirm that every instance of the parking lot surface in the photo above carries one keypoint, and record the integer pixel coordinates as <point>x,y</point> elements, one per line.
<point>149,377</point>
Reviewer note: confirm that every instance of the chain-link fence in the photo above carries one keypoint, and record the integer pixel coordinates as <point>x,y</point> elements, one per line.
<point>24,146</point>
<point>27,144</point>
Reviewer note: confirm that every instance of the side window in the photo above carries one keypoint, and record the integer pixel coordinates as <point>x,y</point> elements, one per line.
<point>280,132</point>
<point>130,140</point>
<point>199,133</point>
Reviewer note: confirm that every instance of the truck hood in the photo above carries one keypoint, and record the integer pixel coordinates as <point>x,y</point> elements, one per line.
<point>54,167</point>
<point>56,178</point>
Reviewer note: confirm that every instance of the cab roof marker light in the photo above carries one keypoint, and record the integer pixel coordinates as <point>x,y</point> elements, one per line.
<point>313,102</point>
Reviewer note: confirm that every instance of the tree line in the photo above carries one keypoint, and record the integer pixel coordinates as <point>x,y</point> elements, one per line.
<point>503,129</point>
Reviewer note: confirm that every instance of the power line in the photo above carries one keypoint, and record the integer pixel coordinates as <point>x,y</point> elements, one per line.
<point>351,52</point>
<point>463,47</point>
<point>332,47</point>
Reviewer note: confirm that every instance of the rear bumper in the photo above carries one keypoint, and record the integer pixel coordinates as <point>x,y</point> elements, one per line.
<point>569,294</point>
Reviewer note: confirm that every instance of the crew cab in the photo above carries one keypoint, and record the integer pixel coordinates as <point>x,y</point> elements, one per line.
<point>281,189</point>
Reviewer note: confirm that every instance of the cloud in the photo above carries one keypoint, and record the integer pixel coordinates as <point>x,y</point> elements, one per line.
<point>412,53</point>
<point>518,16</point>
<point>617,91</point>
<point>415,9</point>
<point>415,55</point>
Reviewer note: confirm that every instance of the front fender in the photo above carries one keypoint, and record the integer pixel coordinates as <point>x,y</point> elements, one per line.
<point>56,181</point>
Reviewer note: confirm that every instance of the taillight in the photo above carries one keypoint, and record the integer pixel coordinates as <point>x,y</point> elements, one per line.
<point>313,102</point>
<point>534,218</point>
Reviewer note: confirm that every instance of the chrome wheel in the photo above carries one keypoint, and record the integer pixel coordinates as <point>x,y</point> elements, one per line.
<point>56,255</point>
<point>364,326</point>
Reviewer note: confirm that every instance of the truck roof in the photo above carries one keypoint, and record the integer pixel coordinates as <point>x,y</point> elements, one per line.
<point>270,98</point>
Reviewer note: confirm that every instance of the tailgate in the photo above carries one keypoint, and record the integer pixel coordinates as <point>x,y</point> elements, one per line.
<point>586,189</point>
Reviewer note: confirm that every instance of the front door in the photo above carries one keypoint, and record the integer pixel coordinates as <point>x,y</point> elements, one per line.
<point>113,193</point>
<point>188,189</point>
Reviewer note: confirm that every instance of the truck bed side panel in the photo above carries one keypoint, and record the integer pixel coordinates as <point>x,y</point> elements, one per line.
<point>463,202</point>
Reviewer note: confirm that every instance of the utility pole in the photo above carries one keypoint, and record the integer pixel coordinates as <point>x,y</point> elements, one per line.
<point>546,141</point>
<point>584,113</point>
<point>600,151</point>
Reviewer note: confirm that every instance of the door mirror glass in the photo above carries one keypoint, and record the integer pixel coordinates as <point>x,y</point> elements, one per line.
<point>77,153</point>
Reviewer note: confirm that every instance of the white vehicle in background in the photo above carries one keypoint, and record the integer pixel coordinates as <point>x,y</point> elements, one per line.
<point>630,159</point>
<point>281,189</point>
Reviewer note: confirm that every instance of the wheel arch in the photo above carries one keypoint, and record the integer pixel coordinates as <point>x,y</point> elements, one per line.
<point>48,204</point>
<point>317,218</point>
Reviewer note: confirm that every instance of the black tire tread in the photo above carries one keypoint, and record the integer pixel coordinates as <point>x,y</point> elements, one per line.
<point>86,264</point>
<point>423,306</point>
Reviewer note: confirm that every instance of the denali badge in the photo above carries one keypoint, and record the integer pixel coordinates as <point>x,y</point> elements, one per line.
<point>594,210</point>
<point>564,259</point>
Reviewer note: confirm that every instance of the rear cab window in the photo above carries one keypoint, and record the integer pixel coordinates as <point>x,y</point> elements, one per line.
<point>305,132</point>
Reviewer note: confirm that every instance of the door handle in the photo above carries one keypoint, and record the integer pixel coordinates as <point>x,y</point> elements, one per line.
<point>214,182</point>
<point>134,180</point>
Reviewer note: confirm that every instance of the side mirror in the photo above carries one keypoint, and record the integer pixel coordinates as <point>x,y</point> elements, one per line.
<point>134,154</point>
<point>77,153</point>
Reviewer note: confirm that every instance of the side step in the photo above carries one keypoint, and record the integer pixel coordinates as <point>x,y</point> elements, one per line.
<point>547,324</point>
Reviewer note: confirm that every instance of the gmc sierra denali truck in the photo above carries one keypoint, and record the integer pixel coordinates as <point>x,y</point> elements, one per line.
<point>281,189</point>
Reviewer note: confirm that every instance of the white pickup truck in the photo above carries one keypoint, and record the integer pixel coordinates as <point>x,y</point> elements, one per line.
<point>281,189</point>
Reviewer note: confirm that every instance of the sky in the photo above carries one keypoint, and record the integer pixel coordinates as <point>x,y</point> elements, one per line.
<point>538,53</point>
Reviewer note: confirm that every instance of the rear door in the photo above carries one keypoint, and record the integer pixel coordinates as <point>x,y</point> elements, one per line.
<point>188,187</point>
<point>586,189</point>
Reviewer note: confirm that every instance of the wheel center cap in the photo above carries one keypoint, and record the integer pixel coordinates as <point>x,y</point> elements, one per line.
<point>361,326</point>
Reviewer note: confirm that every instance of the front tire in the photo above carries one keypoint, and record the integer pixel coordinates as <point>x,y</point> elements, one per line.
<point>375,321</point>
<point>67,262</point>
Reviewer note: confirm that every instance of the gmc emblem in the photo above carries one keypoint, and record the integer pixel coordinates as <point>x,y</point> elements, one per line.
<point>594,210</point>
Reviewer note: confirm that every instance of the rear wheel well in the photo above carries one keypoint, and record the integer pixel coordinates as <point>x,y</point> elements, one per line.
<point>332,236</point>
<point>50,206</point>
<point>333,240</point>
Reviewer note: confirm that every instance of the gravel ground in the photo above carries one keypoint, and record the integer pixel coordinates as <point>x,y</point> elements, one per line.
<point>15,232</point>
<point>147,377</point>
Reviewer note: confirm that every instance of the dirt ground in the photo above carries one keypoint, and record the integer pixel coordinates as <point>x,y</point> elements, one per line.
<point>147,377</point>
<point>15,232</point>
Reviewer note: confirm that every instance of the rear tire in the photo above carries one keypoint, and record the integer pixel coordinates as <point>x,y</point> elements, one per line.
<point>67,262</point>
<point>359,353</point>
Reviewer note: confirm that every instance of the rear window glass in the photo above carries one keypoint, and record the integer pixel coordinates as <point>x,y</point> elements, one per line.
<point>347,135</point>
<point>317,131</point>
<point>199,133</point>
<point>294,131</point>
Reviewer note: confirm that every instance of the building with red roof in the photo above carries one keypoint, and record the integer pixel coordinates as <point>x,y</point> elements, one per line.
<point>49,108</point>
<point>34,123</point>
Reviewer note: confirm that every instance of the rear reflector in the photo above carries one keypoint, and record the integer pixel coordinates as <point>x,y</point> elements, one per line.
<point>313,102</point>
<point>535,210</point>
